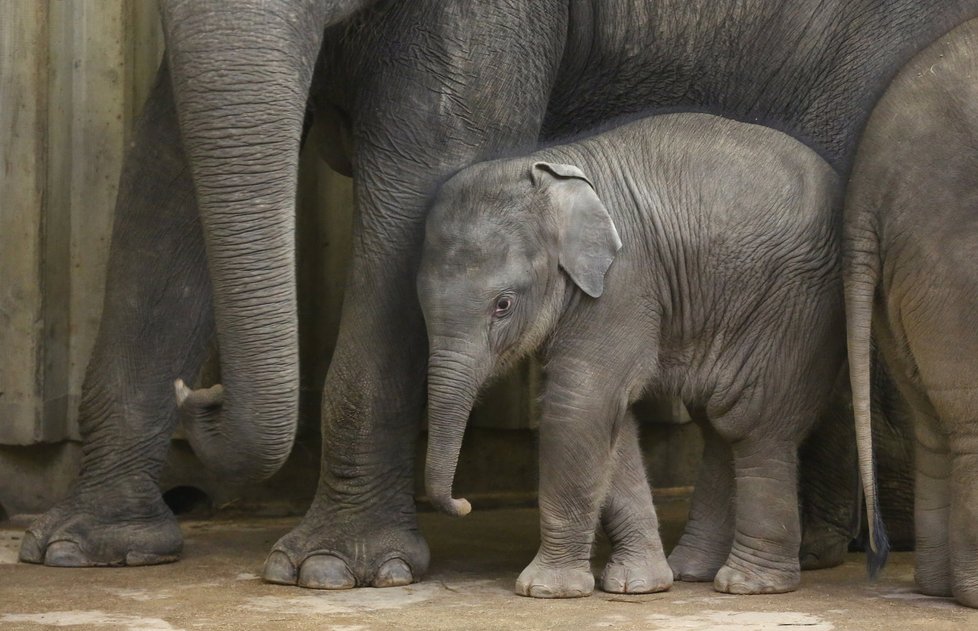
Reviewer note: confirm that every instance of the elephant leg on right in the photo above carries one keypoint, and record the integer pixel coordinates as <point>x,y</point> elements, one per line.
<point>962,535</point>
<point>155,322</point>
<point>709,532</point>
<point>932,506</point>
<point>637,564</point>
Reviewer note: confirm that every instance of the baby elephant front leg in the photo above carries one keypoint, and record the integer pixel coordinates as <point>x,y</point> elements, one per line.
<point>575,464</point>
<point>637,564</point>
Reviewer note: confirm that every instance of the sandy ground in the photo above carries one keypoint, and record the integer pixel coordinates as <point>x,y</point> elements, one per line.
<point>475,562</point>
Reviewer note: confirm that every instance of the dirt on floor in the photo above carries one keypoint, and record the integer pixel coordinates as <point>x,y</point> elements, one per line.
<point>474,565</point>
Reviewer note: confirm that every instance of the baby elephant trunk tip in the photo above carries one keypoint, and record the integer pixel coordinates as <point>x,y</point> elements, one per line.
<point>451,506</point>
<point>459,507</point>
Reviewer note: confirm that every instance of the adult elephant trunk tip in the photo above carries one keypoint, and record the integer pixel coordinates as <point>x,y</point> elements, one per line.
<point>192,400</point>
<point>229,454</point>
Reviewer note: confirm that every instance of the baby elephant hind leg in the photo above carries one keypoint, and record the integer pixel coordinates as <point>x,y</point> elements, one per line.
<point>708,534</point>
<point>963,534</point>
<point>637,564</point>
<point>764,555</point>
<point>956,408</point>
<point>932,506</point>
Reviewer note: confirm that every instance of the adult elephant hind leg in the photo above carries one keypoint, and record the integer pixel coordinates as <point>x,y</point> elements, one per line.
<point>706,540</point>
<point>829,485</point>
<point>764,555</point>
<point>637,564</point>
<point>155,318</point>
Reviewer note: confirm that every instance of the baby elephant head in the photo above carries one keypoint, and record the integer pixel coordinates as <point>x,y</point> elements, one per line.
<point>491,286</point>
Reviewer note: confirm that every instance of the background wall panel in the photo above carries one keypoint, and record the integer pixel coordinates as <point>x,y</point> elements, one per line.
<point>74,75</point>
<point>23,142</point>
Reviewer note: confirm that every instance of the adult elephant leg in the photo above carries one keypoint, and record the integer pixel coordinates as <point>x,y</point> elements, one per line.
<point>709,531</point>
<point>829,485</point>
<point>463,92</point>
<point>637,564</point>
<point>361,528</point>
<point>155,320</point>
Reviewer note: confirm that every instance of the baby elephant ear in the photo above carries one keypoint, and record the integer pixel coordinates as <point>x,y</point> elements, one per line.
<point>588,238</point>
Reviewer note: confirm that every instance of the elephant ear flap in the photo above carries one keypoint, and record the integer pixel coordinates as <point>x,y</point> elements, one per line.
<point>589,240</point>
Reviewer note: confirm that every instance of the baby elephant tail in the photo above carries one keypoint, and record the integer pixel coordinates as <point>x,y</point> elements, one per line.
<point>861,275</point>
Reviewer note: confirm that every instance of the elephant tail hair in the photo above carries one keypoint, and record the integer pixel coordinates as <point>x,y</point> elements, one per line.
<point>879,548</point>
<point>861,274</point>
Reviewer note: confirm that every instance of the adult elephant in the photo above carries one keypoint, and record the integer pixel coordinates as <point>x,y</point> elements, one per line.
<point>417,89</point>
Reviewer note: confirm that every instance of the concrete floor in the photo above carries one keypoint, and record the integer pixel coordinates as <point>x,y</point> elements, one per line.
<point>475,562</point>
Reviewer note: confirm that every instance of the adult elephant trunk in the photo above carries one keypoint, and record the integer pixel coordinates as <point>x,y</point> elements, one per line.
<point>241,74</point>
<point>454,379</point>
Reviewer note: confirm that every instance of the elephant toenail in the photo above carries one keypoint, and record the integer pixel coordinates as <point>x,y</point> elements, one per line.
<point>615,586</point>
<point>279,569</point>
<point>393,573</point>
<point>66,554</point>
<point>325,571</point>
<point>541,591</point>
<point>30,549</point>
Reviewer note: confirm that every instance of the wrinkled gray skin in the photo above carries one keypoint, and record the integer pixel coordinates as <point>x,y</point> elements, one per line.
<point>726,292</point>
<point>409,92</point>
<point>911,237</point>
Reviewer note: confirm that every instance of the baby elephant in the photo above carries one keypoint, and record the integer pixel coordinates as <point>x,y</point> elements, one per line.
<point>911,274</point>
<point>685,254</point>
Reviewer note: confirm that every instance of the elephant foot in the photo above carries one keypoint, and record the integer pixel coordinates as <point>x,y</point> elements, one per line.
<point>823,548</point>
<point>933,583</point>
<point>966,592</point>
<point>317,555</point>
<point>110,529</point>
<point>932,567</point>
<point>756,580</point>
<point>693,564</point>
<point>540,580</point>
<point>638,576</point>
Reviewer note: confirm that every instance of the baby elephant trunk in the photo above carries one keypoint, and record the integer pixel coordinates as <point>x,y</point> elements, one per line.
<point>453,383</point>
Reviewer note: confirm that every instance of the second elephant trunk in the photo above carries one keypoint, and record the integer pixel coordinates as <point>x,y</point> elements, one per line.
<point>241,75</point>
<point>453,384</point>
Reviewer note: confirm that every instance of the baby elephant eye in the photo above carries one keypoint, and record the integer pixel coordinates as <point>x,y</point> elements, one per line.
<point>503,306</point>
